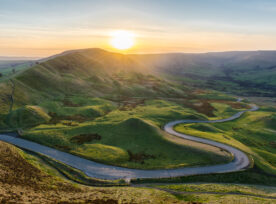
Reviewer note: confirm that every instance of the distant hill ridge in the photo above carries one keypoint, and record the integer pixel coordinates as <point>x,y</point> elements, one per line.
<point>97,72</point>
<point>91,72</point>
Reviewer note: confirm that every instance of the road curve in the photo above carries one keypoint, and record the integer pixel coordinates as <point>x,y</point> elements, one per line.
<point>103,171</point>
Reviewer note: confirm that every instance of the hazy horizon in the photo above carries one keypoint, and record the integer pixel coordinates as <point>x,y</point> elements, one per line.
<point>15,57</point>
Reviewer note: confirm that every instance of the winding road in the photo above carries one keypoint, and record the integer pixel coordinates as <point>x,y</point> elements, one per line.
<point>103,171</point>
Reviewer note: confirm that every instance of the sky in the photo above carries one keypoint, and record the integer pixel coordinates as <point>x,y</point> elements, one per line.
<point>40,28</point>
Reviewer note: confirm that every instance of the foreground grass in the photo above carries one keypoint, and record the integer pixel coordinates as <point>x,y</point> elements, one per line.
<point>221,193</point>
<point>26,178</point>
<point>22,182</point>
<point>59,169</point>
<point>251,176</point>
<point>222,188</point>
<point>216,198</point>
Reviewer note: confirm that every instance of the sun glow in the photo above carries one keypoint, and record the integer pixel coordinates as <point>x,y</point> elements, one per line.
<point>122,39</point>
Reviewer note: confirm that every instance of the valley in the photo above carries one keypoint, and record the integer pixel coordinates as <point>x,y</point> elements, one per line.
<point>96,170</point>
<point>111,109</point>
<point>137,102</point>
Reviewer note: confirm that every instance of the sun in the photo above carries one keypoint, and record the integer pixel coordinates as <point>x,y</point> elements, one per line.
<point>122,39</point>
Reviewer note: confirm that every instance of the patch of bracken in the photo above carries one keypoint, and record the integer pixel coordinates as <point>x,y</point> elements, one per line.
<point>83,138</point>
<point>204,107</point>
<point>70,103</point>
<point>139,157</point>
<point>131,104</point>
<point>272,144</point>
<point>233,104</point>
<point>55,119</point>
<point>63,147</point>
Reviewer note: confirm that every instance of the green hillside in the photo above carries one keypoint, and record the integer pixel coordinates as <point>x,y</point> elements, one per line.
<point>254,133</point>
<point>106,107</point>
<point>242,73</point>
<point>111,108</point>
<point>9,67</point>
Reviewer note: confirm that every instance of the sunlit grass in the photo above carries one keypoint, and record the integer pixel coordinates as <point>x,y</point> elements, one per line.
<point>250,133</point>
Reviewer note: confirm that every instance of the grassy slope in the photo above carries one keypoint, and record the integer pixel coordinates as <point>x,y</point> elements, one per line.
<point>64,89</point>
<point>241,73</point>
<point>120,145</point>
<point>69,99</point>
<point>90,73</point>
<point>11,68</point>
<point>254,133</point>
<point>223,188</point>
<point>31,180</point>
<point>27,178</point>
<point>195,192</point>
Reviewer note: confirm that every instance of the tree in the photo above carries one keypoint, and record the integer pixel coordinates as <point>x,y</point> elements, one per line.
<point>1,74</point>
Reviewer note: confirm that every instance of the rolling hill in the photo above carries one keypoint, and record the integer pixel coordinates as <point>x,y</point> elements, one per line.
<point>85,102</point>
<point>88,102</point>
<point>93,72</point>
<point>242,73</point>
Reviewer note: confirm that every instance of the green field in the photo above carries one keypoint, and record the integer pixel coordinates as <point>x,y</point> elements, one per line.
<point>253,133</point>
<point>105,132</point>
